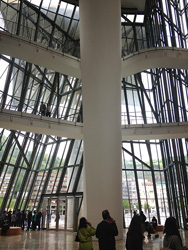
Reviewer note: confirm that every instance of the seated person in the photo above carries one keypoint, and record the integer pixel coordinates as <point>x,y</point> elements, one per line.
<point>5,227</point>
<point>154,222</point>
<point>149,229</point>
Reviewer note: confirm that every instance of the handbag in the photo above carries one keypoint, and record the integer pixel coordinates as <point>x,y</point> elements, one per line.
<point>168,247</point>
<point>77,238</point>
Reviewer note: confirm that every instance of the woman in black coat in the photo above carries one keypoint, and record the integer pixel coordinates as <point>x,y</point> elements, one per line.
<point>135,236</point>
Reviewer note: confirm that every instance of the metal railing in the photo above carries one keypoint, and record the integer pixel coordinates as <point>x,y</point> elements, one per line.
<point>36,117</point>
<point>28,34</point>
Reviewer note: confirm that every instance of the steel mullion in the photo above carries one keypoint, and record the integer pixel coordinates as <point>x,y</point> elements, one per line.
<point>70,100</point>
<point>138,159</point>
<point>24,86</point>
<point>48,173</point>
<point>136,176</point>
<point>28,170</point>
<point>37,168</point>
<point>153,179</point>
<point>14,173</point>
<point>65,164</point>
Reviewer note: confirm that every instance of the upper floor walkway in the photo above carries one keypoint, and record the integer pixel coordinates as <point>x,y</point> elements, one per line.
<point>33,52</point>
<point>15,120</point>
<point>165,57</point>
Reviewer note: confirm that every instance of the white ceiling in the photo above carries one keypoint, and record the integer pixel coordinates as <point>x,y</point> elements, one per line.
<point>130,4</point>
<point>139,4</point>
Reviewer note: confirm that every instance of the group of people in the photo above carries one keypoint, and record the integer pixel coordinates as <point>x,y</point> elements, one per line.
<point>24,219</point>
<point>45,111</point>
<point>149,227</point>
<point>135,237</point>
<point>105,232</point>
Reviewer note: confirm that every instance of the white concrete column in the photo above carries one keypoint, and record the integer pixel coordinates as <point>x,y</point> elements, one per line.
<point>101,77</point>
<point>70,210</point>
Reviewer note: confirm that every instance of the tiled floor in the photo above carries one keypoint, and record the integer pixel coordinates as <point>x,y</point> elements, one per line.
<point>61,240</point>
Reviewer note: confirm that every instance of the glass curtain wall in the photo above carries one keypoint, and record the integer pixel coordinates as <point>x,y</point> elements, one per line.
<point>34,166</point>
<point>155,172</point>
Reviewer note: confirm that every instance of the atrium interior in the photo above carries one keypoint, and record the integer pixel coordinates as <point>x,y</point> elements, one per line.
<point>42,157</point>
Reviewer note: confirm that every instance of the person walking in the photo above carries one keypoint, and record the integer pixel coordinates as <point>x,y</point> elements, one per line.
<point>85,233</point>
<point>106,232</point>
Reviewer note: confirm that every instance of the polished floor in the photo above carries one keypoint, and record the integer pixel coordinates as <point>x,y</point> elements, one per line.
<point>61,240</point>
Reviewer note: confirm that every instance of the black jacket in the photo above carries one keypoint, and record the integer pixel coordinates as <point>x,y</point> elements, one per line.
<point>134,243</point>
<point>106,233</point>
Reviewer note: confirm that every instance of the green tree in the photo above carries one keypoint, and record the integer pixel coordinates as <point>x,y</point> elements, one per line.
<point>126,204</point>
<point>12,204</point>
<point>146,206</point>
<point>1,200</point>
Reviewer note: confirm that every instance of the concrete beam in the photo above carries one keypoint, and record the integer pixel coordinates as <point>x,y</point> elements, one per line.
<point>155,131</point>
<point>15,120</point>
<point>159,57</point>
<point>23,49</point>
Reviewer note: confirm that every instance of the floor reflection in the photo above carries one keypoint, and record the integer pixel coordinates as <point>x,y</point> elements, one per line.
<point>63,240</point>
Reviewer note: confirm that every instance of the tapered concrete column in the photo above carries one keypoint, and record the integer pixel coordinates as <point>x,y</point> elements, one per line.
<point>101,78</point>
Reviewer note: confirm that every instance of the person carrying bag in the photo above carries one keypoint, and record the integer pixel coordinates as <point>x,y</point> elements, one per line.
<point>172,239</point>
<point>84,235</point>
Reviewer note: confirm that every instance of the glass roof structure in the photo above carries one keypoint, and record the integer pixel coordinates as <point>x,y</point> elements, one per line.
<point>38,169</point>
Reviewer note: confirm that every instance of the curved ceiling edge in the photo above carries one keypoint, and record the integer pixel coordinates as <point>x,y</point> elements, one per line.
<point>159,57</point>
<point>33,52</point>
